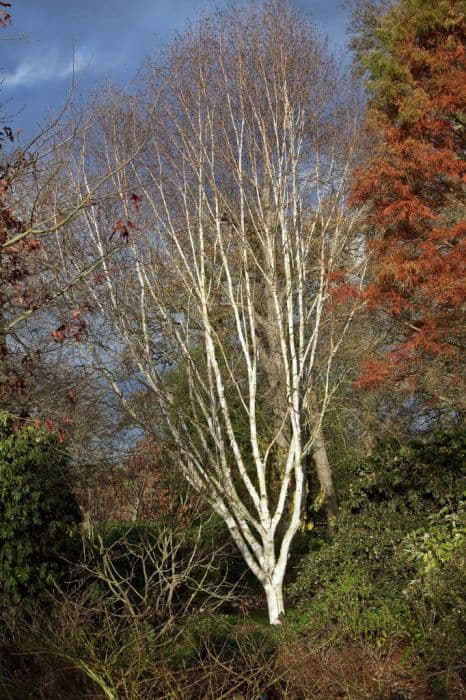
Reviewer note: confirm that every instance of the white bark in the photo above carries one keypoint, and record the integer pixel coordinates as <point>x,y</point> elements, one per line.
<point>244,185</point>
<point>275,605</point>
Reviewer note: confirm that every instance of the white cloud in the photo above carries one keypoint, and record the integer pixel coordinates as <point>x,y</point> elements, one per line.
<point>48,66</point>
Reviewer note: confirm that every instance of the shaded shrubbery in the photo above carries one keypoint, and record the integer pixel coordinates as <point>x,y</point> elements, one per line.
<point>39,515</point>
<point>395,571</point>
<point>377,611</point>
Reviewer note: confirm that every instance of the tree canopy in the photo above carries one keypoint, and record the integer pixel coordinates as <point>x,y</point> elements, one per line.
<point>413,184</point>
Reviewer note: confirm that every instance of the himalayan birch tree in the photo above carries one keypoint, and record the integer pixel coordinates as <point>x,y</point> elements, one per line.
<point>237,235</point>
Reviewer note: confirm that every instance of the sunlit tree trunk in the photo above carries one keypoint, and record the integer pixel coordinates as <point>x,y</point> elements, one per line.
<point>227,269</point>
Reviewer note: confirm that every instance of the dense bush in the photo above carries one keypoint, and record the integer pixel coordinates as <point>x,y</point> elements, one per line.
<point>378,610</point>
<point>396,568</point>
<point>39,515</point>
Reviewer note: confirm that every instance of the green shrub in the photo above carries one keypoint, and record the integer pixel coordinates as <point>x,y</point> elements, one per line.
<point>39,515</point>
<point>436,593</point>
<point>397,516</point>
<point>354,584</point>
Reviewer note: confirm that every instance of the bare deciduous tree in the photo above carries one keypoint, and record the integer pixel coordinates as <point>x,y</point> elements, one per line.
<point>229,263</point>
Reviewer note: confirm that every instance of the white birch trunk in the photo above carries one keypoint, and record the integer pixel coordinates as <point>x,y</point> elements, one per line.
<point>244,181</point>
<point>275,605</point>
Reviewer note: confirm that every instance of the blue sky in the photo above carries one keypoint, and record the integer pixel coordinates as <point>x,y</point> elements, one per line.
<point>108,38</point>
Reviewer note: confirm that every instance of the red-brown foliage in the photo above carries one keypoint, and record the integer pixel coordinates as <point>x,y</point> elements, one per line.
<point>139,490</point>
<point>414,188</point>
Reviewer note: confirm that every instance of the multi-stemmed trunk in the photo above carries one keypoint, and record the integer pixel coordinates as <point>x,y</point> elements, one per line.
<point>274,597</point>
<point>243,219</point>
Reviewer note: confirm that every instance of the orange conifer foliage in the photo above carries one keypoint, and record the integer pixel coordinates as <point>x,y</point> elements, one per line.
<point>414,183</point>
